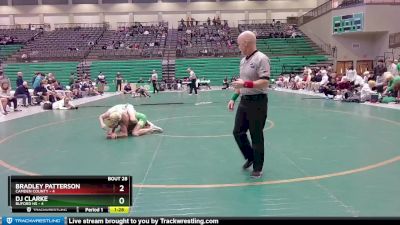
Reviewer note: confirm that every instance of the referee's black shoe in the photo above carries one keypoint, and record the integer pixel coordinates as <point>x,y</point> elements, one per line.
<point>247,164</point>
<point>256,174</point>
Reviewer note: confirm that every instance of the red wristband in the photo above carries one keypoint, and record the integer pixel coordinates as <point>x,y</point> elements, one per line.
<point>248,84</point>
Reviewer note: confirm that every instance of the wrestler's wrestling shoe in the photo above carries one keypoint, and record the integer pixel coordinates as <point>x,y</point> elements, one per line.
<point>155,128</point>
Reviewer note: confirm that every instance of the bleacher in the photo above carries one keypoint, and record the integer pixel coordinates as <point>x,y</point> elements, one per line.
<point>285,46</point>
<point>215,69</point>
<point>207,40</point>
<point>131,70</point>
<point>61,70</point>
<point>120,44</point>
<point>268,29</point>
<point>8,50</point>
<point>62,44</point>
<point>20,35</point>
<point>287,64</point>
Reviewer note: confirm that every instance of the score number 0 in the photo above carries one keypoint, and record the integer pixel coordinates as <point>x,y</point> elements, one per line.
<point>122,199</point>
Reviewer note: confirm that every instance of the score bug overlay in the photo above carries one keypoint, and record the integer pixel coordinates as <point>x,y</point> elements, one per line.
<point>86,194</point>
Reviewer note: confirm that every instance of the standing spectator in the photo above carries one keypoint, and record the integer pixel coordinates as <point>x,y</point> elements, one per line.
<point>193,79</point>
<point>38,80</point>
<point>379,70</point>
<point>20,80</point>
<point>101,83</point>
<point>154,78</point>
<point>23,92</point>
<point>225,83</point>
<point>118,82</point>
<point>252,110</point>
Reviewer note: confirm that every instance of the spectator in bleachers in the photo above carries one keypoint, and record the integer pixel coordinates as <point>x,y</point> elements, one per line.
<point>23,92</point>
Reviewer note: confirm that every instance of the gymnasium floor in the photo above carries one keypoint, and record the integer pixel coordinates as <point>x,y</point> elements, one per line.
<point>323,158</point>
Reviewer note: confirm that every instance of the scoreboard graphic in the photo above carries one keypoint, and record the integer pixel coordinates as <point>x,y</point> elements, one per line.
<point>348,23</point>
<point>75,194</point>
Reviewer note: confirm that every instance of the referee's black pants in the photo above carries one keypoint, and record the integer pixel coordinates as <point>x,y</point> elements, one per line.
<point>155,86</point>
<point>193,86</point>
<point>251,115</point>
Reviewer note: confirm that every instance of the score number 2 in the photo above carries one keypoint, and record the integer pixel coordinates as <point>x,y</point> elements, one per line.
<point>121,200</point>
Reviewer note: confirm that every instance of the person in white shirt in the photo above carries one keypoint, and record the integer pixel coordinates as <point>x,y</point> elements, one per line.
<point>154,78</point>
<point>350,75</point>
<point>359,81</point>
<point>298,84</point>
<point>366,90</point>
<point>366,76</point>
<point>393,68</point>
<point>193,79</point>
<point>65,103</point>
<point>325,77</point>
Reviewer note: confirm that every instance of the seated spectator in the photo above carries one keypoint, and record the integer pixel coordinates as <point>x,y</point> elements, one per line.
<point>76,90</point>
<point>19,80</point>
<point>330,88</point>
<point>41,92</point>
<point>23,92</point>
<point>6,98</point>
<point>225,83</point>
<point>128,89</point>
<point>391,81</point>
<point>367,90</point>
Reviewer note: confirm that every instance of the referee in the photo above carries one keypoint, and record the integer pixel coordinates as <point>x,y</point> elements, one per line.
<point>251,114</point>
<point>193,79</point>
<point>154,78</point>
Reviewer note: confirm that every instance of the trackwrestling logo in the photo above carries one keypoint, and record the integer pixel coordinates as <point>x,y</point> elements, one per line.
<point>9,220</point>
